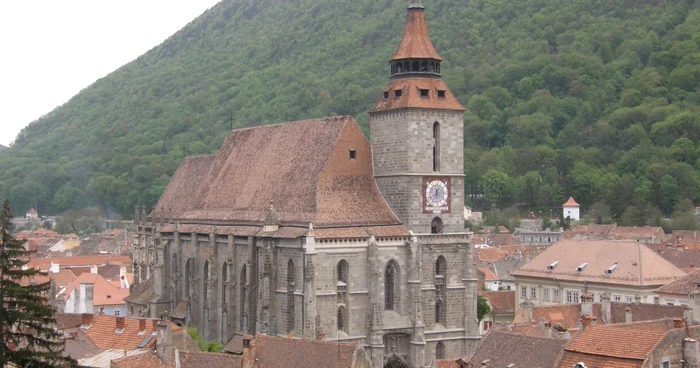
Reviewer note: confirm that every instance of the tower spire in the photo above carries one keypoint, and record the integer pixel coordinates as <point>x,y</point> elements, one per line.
<point>415,4</point>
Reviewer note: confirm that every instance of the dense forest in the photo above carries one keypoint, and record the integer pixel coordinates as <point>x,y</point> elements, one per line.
<point>597,99</point>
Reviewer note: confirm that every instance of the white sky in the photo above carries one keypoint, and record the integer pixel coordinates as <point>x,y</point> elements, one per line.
<point>52,49</point>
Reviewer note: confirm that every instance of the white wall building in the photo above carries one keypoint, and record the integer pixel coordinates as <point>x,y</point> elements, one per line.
<point>571,209</point>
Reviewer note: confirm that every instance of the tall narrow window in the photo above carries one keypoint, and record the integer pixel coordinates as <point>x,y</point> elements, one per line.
<point>436,146</point>
<point>390,286</point>
<point>440,290</point>
<point>291,286</point>
<point>242,298</point>
<point>189,276</point>
<point>342,319</point>
<point>176,293</point>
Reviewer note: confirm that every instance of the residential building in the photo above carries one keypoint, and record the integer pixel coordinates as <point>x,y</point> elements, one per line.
<point>684,292</point>
<point>571,210</point>
<point>641,234</point>
<point>92,293</point>
<point>538,237</point>
<point>32,214</point>
<point>502,305</point>
<point>627,271</point>
<point>306,229</point>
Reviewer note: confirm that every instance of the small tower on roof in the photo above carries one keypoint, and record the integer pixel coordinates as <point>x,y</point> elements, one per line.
<point>416,128</point>
<point>571,209</point>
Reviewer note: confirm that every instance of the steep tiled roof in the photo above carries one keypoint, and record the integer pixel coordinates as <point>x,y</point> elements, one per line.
<point>502,302</point>
<point>645,312</point>
<point>571,203</point>
<point>488,274</point>
<point>67,321</point>
<point>78,346</point>
<point>142,293</point>
<point>193,359</point>
<point>416,43</point>
<point>411,95</point>
<point>685,259</point>
<point>105,293</point>
<point>103,333</point>
<point>489,254</point>
<point>632,341</point>
<point>570,359</point>
<point>635,263</point>
<point>255,166</point>
<point>501,349</point>
<point>566,315</point>
<point>278,352</point>
<point>683,286</point>
<point>150,360</point>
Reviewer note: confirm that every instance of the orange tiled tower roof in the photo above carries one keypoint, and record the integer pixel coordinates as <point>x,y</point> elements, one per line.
<point>416,43</point>
<point>571,203</point>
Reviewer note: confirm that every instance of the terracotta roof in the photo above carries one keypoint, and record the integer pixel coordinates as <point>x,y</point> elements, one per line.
<point>570,359</point>
<point>632,341</point>
<point>571,203</point>
<point>86,261</point>
<point>143,293</point>
<point>63,278</point>
<point>501,349</point>
<point>685,259</point>
<point>103,333</point>
<point>362,232</point>
<point>411,95</point>
<point>191,359</point>
<point>79,346</point>
<point>490,254</point>
<point>255,166</point>
<point>631,232</point>
<point>447,363</point>
<point>502,302</point>
<point>32,211</point>
<point>104,292</point>
<point>683,286</point>
<point>67,321</point>
<point>488,274</point>
<point>149,360</point>
<point>416,43</point>
<point>273,352</point>
<point>566,315</point>
<point>645,312</point>
<point>635,263</point>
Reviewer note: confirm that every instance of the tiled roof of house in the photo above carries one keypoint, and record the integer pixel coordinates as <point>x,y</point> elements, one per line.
<point>686,259</point>
<point>255,165</point>
<point>488,274</point>
<point>187,359</point>
<point>278,352</point>
<point>571,203</point>
<point>142,293</point>
<point>79,346</point>
<point>489,254</point>
<point>410,95</point>
<point>63,278</point>
<point>507,265</point>
<point>103,332</point>
<point>683,286</point>
<point>501,348</point>
<point>566,315</point>
<point>415,43</point>
<point>635,264</point>
<point>86,261</point>
<point>68,321</point>
<point>645,312</point>
<point>633,232</point>
<point>150,360</point>
<point>502,302</point>
<point>570,359</point>
<point>104,292</point>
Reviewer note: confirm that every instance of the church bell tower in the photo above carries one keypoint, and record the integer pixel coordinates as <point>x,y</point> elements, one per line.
<point>417,138</point>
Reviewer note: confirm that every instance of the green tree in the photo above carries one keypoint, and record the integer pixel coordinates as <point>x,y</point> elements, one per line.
<point>27,335</point>
<point>496,186</point>
<point>482,307</point>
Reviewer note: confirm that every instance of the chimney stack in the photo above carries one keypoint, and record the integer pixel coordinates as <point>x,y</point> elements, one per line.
<point>164,342</point>
<point>154,324</point>
<point>121,322</point>
<point>87,319</point>
<point>585,322</point>
<point>248,351</point>
<point>691,352</point>
<point>628,315</point>
<point>587,305</point>
<point>93,269</point>
<point>606,308</point>
<point>142,324</point>
<point>594,321</point>
<point>678,323</point>
<point>548,329</point>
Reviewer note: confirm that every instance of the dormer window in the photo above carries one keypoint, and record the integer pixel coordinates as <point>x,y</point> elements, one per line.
<point>398,93</point>
<point>424,93</point>
<point>386,95</point>
<point>441,93</point>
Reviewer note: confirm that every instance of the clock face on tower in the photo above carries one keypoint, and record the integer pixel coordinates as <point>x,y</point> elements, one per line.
<point>436,195</point>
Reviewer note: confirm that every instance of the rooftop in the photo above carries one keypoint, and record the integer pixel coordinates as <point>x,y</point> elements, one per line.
<point>104,333</point>
<point>501,348</point>
<point>685,285</point>
<point>502,302</point>
<point>607,262</point>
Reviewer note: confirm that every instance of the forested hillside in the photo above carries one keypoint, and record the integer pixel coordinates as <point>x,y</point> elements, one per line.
<point>592,98</point>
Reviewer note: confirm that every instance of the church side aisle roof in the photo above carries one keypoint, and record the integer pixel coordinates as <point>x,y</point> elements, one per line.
<point>303,167</point>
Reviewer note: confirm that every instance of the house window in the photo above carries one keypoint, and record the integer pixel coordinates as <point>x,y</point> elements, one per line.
<point>487,325</point>
<point>523,292</point>
<point>353,154</point>
<point>572,297</point>
<point>545,294</point>
<point>629,299</point>
<point>600,297</point>
<point>617,298</point>
<point>555,295</point>
<point>386,95</point>
<point>436,146</point>
<point>116,312</point>
<point>666,363</point>
<point>440,350</point>
<point>390,285</point>
<point>533,292</point>
<point>424,93</point>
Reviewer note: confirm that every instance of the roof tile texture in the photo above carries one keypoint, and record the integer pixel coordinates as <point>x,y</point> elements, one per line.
<point>103,333</point>
<point>636,264</point>
<point>416,43</point>
<point>411,95</point>
<point>502,302</point>
<point>682,286</point>
<point>502,348</point>
<point>274,352</point>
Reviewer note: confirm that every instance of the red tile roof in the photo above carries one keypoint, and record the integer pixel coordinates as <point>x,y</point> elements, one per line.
<point>255,166</point>
<point>683,286</point>
<point>488,274</point>
<point>416,43</point>
<point>411,95</point>
<point>103,333</point>
<point>566,315</point>
<point>86,261</point>
<point>571,203</point>
<point>489,254</point>
<point>274,352</point>
<point>502,302</point>
<point>632,341</point>
<point>104,292</point>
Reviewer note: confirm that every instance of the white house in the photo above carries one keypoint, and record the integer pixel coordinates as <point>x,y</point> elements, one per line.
<point>571,209</point>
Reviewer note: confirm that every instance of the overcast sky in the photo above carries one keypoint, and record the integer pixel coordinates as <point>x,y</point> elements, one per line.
<point>52,49</point>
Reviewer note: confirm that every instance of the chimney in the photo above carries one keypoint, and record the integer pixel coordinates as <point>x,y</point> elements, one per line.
<point>527,306</point>
<point>585,322</point>
<point>121,322</point>
<point>93,269</point>
<point>594,321</point>
<point>678,323</point>
<point>142,325</point>
<point>248,351</point>
<point>637,299</point>
<point>87,319</point>
<point>691,352</point>
<point>154,324</point>
<point>123,281</point>
<point>606,308</point>
<point>164,342</point>
<point>587,305</point>
<point>548,329</point>
<point>54,268</point>
<point>628,315</point>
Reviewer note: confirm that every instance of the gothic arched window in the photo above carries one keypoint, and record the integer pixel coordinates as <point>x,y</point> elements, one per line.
<point>440,289</point>
<point>189,275</point>
<point>175,278</point>
<point>441,267</point>
<point>291,286</point>
<point>242,299</point>
<point>343,271</point>
<point>436,226</point>
<point>391,283</point>
<point>436,146</point>
<point>342,319</point>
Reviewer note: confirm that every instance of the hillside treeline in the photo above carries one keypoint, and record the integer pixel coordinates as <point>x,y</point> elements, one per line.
<point>592,98</point>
